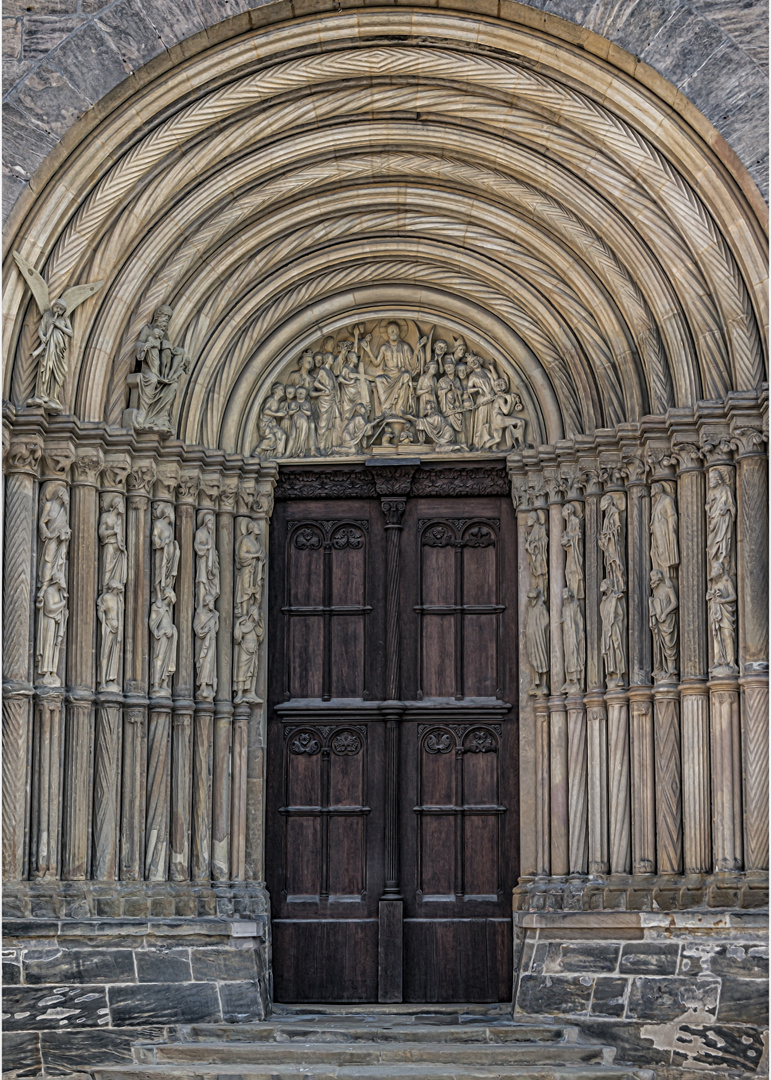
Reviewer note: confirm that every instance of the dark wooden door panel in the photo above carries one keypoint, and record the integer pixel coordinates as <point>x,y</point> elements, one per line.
<point>454,754</point>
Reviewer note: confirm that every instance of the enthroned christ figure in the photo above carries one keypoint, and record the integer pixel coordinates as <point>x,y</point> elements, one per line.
<point>395,364</point>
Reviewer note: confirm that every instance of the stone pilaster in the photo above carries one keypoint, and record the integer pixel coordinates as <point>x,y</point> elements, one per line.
<point>135,670</point>
<point>694,701</point>
<point>752,588</point>
<point>21,464</point>
<point>81,664</point>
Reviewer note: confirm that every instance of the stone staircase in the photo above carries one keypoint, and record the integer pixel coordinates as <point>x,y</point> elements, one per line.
<point>399,1042</point>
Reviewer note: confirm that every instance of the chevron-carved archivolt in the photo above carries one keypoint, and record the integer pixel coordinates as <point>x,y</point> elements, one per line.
<point>502,187</point>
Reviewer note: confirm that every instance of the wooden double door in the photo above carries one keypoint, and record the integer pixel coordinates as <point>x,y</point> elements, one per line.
<point>392,754</point>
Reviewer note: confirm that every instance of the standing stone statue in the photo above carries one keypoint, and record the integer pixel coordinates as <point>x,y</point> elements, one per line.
<point>165,563</point>
<point>52,595</point>
<point>206,619</point>
<point>248,628</point>
<point>163,365</point>
<point>665,553</point>
<point>54,334</point>
<point>662,606</point>
<point>537,640</point>
<point>612,619</point>
<point>573,642</point>
<point>721,600</point>
<point>537,548</point>
<point>572,541</point>
<point>721,514</point>
<point>110,605</point>
<point>610,542</point>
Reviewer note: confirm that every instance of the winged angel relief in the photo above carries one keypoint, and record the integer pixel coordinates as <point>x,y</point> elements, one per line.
<point>389,386</point>
<point>54,334</point>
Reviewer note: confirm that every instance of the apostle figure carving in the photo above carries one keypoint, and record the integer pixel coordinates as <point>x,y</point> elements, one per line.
<point>612,617</point>
<point>573,642</point>
<point>248,627</point>
<point>721,514</point>
<point>537,548</point>
<point>665,553</point>
<point>572,541</point>
<point>54,335</point>
<point>164,633</point>
<point>662,606</point>
<point>721,601</point>
<point>110,605</point>
<point>52,595</point>
<point>390,388</point>
<point>206,619</point>
<point>537,640</point>
<point>163,365</point>
<point>610,540</point>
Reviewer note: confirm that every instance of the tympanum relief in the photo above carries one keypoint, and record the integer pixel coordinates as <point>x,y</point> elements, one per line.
<point>52,594</point>
<point>54,335</point>
<point>385,387</point>
<point>162,628</point>
<point>154,386</point>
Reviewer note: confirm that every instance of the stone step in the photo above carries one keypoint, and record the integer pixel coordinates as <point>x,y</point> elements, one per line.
<point>326,1030</point>
<point>369,1053</point>
<point>372,1072</point>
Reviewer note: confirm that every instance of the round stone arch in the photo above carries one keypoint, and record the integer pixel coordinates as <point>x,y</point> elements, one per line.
<point>579,216</point>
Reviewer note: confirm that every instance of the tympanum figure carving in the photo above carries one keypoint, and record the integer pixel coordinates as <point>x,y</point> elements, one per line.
<point>206,619</point>
<point>54,335</point>
<point>111,602</point>
<point>163,365</point>
<point>52,595</point>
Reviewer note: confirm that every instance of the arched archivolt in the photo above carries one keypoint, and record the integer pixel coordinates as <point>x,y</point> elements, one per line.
<point>273,187</point>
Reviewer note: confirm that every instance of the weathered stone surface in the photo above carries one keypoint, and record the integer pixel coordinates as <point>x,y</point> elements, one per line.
<point>46,1007</point>
<point>666,998</point>
<point>50,100</point>
<point>78,966</point>
<point>718,1046</point>
<point>744,960</point>
<point>132,36</point>
<point>164,1003</point>
<point>743,1001</point>
<point>41,35</point>
<point>554,994</point>
<point>21,1052</point>
<point>89,62</point>
<point>609,998</point>
<point>163,965</point>
<point>630,1045</point>
<point>649,958</point>
<point>223,963</point>
<point>241,1002</point>
<point>73,1050</point>
<point>587,957</point>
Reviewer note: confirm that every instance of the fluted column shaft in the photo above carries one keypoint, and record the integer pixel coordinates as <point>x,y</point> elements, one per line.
<point>18,576</point>
<point>81,665</point>
<point>694,701</point>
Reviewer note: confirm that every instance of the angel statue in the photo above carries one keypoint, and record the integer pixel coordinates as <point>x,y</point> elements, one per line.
<point>54,333</point>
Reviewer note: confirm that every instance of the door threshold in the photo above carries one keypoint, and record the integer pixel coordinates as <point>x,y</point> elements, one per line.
<point>406,1008</point>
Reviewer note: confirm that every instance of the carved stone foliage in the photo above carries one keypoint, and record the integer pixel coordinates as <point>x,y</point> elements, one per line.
<point>111,603</point>
<point>154,387</point>
<point>361,483</point>
<point>206,618</point>
<point>54,334</point>
<point>386,387</point>
<point>52,594</point>
<point>248,624</point>
<point>164,633</point>
<point>721,570</point>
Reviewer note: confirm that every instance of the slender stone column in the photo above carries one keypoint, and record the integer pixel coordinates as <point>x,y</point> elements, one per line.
<point>668,805</point>
<point>574,642</point>
<point>641,705</point>
<point>596,715</point>
<point>254,855</point>
<point>752,584</point>
<point>21,465</point>
<point>203,739</point>
<point>135,670</point>
<point>52,566</point>
<point>724,684</point>
<point>618,769</point>
<point>542,787</point>
<point>527,736</point>
<point>694,702</point>
<point>184,682</point>
<point>81,667</point>
<point>223,704</point>
<point>558,719</point>
<point>577,789</point>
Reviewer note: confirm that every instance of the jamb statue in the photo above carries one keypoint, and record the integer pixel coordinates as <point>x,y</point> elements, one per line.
<point>54,334</point>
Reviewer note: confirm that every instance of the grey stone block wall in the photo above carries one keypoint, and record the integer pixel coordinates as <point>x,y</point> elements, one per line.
<point>688,991</point>
<point>79,993</point>
<point>60,57</point>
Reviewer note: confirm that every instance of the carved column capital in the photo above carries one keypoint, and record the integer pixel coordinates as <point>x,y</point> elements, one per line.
<point>187,486</point>
<point>263,498</point>
<point>687,455</point>
<point>87,466</point>
<point>519,492</point>
<point>140,479</point>
<point>637,467</point>
<point>209,491</point>
<point>749,441</point>
<point>613,475</point>
<point>716,448</point>
<point>23,455</point>
<point>57,462</point>
<point>166,480</point>
<point>393,511</point>
<point>228,496</point>
<point>589,478</point>
<point>114,472</point>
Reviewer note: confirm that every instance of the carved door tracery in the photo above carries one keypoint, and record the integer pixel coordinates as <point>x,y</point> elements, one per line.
<point>374,901</point>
